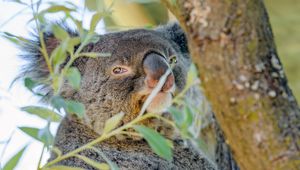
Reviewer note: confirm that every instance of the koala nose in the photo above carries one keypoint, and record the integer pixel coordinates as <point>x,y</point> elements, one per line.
<point>155,66</point>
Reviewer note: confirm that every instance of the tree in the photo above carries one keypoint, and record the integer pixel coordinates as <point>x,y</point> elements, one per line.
<point>232,44</point>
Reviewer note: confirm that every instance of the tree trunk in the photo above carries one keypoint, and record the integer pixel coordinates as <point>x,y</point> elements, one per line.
<point>232,44</point>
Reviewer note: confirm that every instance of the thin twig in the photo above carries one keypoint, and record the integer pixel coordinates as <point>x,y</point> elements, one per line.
<point>99,139</point>
<point>154,92</point>
<point>43,48</point>
<point>40,159</point>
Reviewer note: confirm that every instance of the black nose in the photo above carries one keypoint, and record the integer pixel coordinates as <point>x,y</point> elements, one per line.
<point>155,66</point>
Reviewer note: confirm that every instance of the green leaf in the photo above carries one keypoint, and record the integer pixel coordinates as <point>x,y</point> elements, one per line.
<point>57,78</point>
<point>192,75</point>
<point>60,33</point>
<point>58,102</point>
<point>188,115</point>
<point>102,166</point>
<point>176,115</point>
<point>74,77</point>
<point>94,54</point>
<point>42,112</point>
<point>17,40</point>
<point>88,37</point>
<point>61,167</point>
<point>95,5</point>
<point>57,8</point>
<point>94,21</point>
<point>113,122</point>
<point>74,41</point>
<point>33,132</point>
<point>29,83</point>
<point>58,55</point>
<point>79,27</point>
<point>46,136</point>
<point>158,143</point>
<point>75,107</point>
<point>94,38</point>
<point>12,163</point>
<point>42,135</point>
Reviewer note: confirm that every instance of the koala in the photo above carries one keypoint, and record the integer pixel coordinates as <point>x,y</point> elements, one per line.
<point>121,83</point>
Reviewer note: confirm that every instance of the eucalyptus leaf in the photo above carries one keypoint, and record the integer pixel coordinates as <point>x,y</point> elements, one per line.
<point>158,143</point>
<point>113,122</point>
<point>176,115</point>
<point>18,40</point>
<point>188,115</point>
<point>46,136</point>
<point>29,83</point>
<point>42,135</point>
<point>13,162</point>
<point>57,8</point>
<point>58,102</point>
<point>75,107</point>
<point>42,112</point>
<point>95,20</point>
<point>94,38</point>
<point>192,75</point>
<point>59,33</point>
<point>33,132</point>
<point>74,41</point>
<point>58,55</point>
<point>74,77</point>
<point>95,5</point>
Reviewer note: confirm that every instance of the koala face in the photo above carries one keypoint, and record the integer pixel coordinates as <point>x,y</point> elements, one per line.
<point>123,81</point>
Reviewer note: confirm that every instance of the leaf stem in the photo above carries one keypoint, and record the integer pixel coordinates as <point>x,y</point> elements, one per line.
<point>41,156</point>
<point>99,139</point>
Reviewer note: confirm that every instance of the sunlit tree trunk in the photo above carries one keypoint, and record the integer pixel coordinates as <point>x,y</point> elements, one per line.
<point>232,44</point>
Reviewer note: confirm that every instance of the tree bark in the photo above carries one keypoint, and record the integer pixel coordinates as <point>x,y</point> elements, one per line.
<point>232,44</point>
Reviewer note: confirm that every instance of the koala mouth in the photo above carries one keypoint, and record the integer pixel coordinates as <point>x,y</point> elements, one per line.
<point>160,102</point>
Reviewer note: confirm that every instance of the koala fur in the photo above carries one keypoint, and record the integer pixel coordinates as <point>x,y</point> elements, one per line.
<point>105,94</point>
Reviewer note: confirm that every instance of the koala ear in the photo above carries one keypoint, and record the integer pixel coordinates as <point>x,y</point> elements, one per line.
<point>35,66</point>
<point>175,33</point>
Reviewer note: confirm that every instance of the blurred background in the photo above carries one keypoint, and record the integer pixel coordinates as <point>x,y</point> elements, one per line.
<point>284,17</point>
<point>285,20</point>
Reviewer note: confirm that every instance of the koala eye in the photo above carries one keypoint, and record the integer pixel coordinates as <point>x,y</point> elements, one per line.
<point>173,60</point>
<point>119,70</point>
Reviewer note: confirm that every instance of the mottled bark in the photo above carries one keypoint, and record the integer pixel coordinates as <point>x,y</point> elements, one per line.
<point>232,44</point>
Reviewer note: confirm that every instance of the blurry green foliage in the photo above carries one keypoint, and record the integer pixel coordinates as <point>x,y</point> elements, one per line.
<point>285,20</point>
